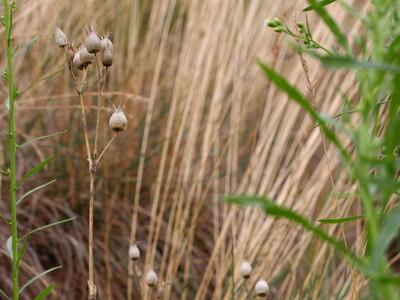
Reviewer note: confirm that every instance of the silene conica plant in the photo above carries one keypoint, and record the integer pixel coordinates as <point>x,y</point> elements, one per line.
<point>372,157</point>
<point>98,51</point>
<point>17,243</point>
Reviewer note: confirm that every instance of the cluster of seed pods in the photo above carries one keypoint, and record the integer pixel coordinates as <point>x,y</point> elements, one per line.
<point>85,55</point>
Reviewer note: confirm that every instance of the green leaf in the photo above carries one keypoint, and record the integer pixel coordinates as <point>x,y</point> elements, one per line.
<point>273,209</point>
<point>4,294</point>
<point>345,62</point>
<point>330,22</point>
<point>295,95</point>
<point>42,138</point>
<point>321,3</point>
<point>34,170</point>
<point>32,280</point>
<point>340,220</point>
<point>386,235</point>
<point>43,294</point>
<point>46,226</point>
<point>34,190</point>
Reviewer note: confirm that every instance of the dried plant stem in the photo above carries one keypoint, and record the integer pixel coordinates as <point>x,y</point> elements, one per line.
<point>12,148</point>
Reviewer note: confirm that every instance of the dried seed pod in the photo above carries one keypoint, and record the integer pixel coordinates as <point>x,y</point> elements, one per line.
<point>77,61</point>
<point>60,38</point>
<point>151,278</point>
<point>107,57</point>
<point>245,269</point>
<point>92,41</point>
<point>134,252</point>
<point>106,43</point>
<point>86,57</point>
<point>261,288</point>
<point>118,121</point>
<point>70,52</point>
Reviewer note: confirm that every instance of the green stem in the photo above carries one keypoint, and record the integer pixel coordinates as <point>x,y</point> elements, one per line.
<point>12,147</point>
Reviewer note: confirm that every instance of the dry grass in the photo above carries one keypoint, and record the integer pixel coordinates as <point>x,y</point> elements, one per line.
<point>203,123</point>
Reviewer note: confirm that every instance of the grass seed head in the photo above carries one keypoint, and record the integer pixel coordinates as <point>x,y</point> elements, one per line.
<point>118,121</point>
<point>134,252</point>
<point>60,38</point>
<point>261,288</point>
<point>151,278</point>
<point>92,42</point>
<point>245,269</point>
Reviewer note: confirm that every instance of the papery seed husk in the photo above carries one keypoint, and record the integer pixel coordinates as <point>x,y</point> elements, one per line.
<point>77,61</point>
<point>118,121</point>
<point>93,42</point>
<point>107,58</point>
<point>86,57</point>
<point>60,38</point>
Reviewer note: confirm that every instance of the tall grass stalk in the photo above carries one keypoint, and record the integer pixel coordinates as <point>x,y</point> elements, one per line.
<point>8,16</point>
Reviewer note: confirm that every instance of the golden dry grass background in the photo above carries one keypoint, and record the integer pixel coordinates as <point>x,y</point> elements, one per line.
<point>203,123</point>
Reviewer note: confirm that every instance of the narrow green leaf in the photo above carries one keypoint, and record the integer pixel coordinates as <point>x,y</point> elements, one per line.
<point>43,294</point>
<point>387,234</point>
<point>34,170</point>
<point>34,190</point>
<point>46,226</point>
<point>322,3</point>
<point>4,294</point>
<point>330,22</point>
<point>276,210</point>
<point>32,280</point>
<point>340,220</point>
<point>345,62</point>
<point>42,138</point>
<point>295,95</point>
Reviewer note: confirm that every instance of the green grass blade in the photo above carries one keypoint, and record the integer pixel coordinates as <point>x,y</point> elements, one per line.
<point>34,170</point>
<point>273,209</point>
<point>34,190</point>
<point>33,279</point>
<point>43,294</point>
<point>322,3</point>
<point>340,220</point>
<point>387,234</point>
<point>296,96</point>
<point>46,227</point>
<point>330,22</point>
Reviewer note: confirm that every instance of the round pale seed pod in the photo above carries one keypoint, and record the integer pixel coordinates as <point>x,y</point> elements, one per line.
<point>107,58</point>
<point>86,57</point>
<point>245,269</point>
<point>261,288</point>
<point>118,121</point>
<point>106,43</point>
<point>92,42</point>
<point>134,252</point>
<point>151,278</point>
<point>60,38</point>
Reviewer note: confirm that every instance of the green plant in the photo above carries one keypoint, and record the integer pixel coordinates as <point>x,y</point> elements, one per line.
<point>17,243</point>
<point>371,156</point>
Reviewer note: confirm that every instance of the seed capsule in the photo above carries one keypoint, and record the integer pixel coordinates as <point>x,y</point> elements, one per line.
<point>77,61</point>
<point>261,288</point>
<point>107,58</point>
<point>106,43</point>
<point>118,121</point>
<point>60,38</point>
<point>134,252</point>
<point>245,269</point>
<point>85,57</point>
<point>92,42</point>
<point>151,278</point>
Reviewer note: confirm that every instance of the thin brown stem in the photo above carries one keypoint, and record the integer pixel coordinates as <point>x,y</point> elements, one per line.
<point>106,147</point>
